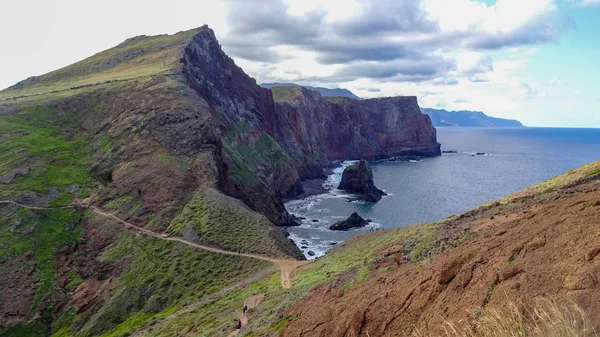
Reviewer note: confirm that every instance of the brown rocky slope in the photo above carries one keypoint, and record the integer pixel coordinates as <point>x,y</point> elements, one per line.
<point>165,132</point>
<point>539,243</point>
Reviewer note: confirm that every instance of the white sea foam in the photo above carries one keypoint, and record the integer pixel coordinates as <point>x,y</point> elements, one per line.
<point>334,179</point>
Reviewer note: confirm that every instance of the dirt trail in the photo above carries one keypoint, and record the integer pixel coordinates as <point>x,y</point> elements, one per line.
<point>33,207</point>
<point>252,302</point>
<point>285,266</point>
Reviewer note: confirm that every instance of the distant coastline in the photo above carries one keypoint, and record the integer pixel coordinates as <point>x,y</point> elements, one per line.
<point>441,117</point>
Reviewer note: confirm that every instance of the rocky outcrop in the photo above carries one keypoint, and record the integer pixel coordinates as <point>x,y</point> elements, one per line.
<point>264,146</point>
<point>354,221</point>
<point>358,179</point>
<point>312,127</point>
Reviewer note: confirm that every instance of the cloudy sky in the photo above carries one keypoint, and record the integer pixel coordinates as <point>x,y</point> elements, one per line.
<point>533,60</point>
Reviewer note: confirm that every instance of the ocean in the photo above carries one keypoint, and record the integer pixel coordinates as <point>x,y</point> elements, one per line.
<point>432,189</point>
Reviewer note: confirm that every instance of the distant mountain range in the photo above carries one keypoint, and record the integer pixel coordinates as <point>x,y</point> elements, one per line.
<point>323,91</point>
<point>441,117</point>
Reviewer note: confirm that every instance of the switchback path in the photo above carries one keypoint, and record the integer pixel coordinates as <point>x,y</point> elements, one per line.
<point>285,266</point>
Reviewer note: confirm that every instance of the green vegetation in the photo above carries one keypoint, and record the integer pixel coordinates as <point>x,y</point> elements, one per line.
<point>358,254</point>
<point>286,94</point>
<point>556,182</point>
<point>177,162</point>
<point>245,159</point>
<point>41,233</point>
<point>159,277</point>
<point>225,222</point>
<point>139,57</point>
<point>594,172</point>
<point>33,143</point>
<point>24,330</point>
<point>238,168</point>
<point>105,143</point>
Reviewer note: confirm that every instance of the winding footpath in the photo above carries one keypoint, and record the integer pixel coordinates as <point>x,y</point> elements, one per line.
<point>285,266</point>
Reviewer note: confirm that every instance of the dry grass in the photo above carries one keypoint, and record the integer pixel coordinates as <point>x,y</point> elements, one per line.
<point>546,319</point>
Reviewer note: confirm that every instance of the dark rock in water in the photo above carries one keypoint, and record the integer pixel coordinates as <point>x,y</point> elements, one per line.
<point>301,218</point>
<point>303,247</point>
<point>289,220</point>
<point>413,158</point>
<point>354,221</point>
<point>480,153</point>
<point>450,151</point>
<point>333,243</point>
<point>315,220</point>
<point>392,159</point>
<point>311,253</point>
<point>369,220</point>
<point>358,179</point>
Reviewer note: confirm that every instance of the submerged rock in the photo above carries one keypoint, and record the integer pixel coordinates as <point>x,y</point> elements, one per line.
<point>449,151</point>
<point>358,179</point>
<point>311,253</point>
<point>354,221</point>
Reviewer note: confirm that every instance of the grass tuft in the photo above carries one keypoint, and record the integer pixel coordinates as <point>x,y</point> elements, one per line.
<point>546,319</point>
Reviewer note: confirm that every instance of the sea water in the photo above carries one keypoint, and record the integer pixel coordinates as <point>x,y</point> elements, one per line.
<point>432,189</point>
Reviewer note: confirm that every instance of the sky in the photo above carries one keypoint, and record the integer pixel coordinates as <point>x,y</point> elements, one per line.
<point>537,61</point>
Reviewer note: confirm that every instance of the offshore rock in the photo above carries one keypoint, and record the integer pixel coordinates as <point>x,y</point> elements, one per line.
<point>354,221</point>
<point>358,179</point>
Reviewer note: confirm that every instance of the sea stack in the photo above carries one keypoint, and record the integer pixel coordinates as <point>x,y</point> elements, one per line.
<point>358,179</point>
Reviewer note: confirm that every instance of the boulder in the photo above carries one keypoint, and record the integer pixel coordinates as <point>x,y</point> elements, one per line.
<point>354,221</point>
<point>358,179</point>
<point>311,253</point>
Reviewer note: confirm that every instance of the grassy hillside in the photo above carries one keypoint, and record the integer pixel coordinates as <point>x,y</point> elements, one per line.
<point>144,277</point>
<point>135,58</point>
<point>123,131</point>
<point>380,255</point>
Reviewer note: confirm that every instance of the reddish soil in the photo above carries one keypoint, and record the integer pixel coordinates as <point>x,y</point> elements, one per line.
<point>548,249</point>
<point>18,290</point>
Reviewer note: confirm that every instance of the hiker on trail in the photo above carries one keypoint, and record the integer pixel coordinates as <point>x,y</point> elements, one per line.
<point>245,308</point>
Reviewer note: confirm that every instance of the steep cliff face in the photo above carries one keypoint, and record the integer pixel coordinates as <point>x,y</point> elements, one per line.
<point>313,127</point>
<point>161,132</point>
<point>267,145</point>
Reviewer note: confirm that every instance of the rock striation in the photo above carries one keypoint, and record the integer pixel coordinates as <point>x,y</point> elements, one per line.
<point>358,179</point>
<point>354,221</point>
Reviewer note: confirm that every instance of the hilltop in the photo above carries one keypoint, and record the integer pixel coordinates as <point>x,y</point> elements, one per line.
<point>441,117</point>
<point>116,169</point>
<point>326,92</point>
